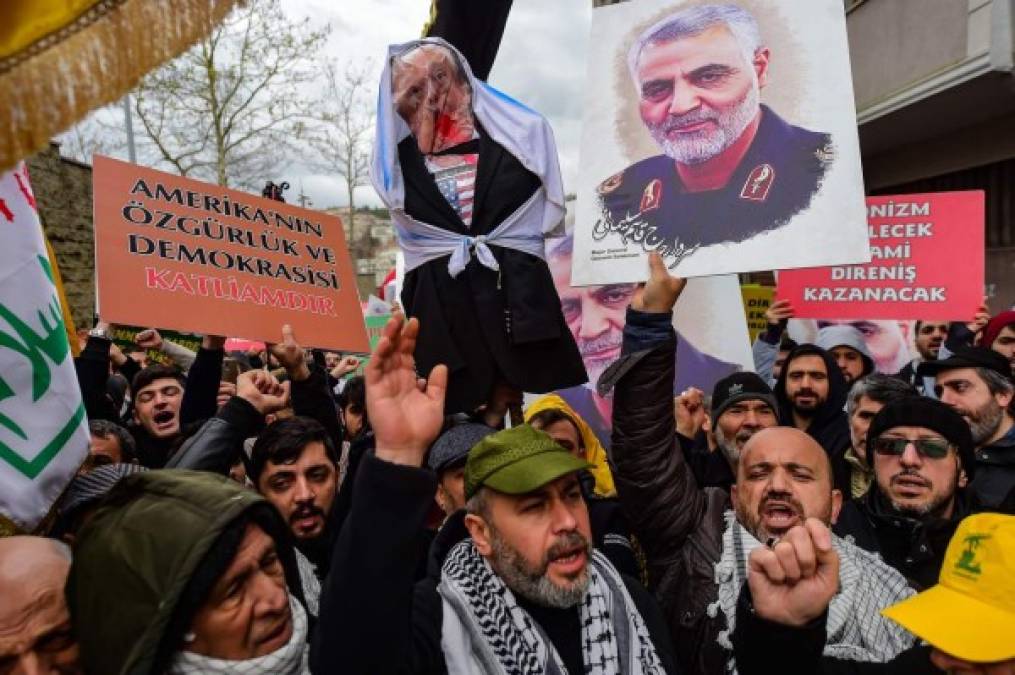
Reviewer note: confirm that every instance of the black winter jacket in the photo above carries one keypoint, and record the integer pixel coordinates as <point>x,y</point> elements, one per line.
<point>374,616</point>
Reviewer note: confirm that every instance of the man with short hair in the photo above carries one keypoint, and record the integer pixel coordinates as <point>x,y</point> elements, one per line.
<point>109,444</point>
<point>696,540</point>
<point>525,593</point>
<point>930,336</point>
<point>976,383</point>
<point>921,453</point>
<point>36,635</point>
<point>699,73</point>
<point>187,572</point>
<point>847,347</point>
<point>867,397</point>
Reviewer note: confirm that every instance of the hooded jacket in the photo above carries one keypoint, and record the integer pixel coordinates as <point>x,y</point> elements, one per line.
<point>130,590</point>
<point>829,426</point>
<point>831,337</point>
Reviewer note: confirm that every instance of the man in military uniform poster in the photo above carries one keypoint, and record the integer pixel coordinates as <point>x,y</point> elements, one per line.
<point>731,167</point>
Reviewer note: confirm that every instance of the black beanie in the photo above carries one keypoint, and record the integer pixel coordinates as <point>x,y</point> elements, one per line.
<point>929,413</point>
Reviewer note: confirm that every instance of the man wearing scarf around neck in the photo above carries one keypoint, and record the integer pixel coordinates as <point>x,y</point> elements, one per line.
<point>520,591</point>
<point>182,572</point>
<point>697,540</point>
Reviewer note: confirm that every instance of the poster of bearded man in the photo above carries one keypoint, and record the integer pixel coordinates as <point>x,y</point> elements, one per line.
<point>721,134</point>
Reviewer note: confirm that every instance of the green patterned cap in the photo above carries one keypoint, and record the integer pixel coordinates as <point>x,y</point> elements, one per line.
<point>516,461</point>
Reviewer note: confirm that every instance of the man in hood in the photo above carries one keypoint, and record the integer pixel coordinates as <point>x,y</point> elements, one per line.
<point>186,572</point>
<point>921,453</point>
<point>847,347</point>
<point>811,393</point>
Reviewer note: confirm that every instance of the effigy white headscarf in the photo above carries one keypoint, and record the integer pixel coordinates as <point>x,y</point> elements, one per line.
<point>521,131</point>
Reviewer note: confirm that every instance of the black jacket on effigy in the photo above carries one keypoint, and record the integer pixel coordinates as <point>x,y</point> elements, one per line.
<point>916,548</point>
<point>485,325</point>
<point>829,426</point>
<point>762,647</point>
<point>376,618</point>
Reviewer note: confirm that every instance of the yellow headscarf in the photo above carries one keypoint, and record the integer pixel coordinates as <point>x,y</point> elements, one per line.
<point>595,454</point>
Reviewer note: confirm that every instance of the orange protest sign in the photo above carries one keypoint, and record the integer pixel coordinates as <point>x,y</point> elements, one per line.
<point>177,253</point>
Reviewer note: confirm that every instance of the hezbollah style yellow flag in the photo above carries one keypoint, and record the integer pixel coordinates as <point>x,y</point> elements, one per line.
<point>60,59</point>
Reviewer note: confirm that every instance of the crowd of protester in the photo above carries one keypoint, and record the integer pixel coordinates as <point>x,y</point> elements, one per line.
<point>273,511</point>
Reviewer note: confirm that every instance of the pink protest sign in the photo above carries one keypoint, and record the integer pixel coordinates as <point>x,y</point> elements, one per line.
<point>927,262</point>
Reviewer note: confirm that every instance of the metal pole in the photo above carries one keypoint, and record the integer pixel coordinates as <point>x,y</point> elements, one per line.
<point>129,123</point>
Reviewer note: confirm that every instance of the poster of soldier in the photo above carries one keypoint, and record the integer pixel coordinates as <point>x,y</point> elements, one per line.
<point>721,134</point>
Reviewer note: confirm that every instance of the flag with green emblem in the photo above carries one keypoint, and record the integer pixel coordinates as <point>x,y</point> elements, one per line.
<point>43,429</point>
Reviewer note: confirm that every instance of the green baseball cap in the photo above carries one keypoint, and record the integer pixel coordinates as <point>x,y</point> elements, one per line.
<point>516,461</point>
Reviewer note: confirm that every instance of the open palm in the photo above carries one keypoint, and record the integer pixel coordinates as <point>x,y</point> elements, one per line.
<point>406,412</point>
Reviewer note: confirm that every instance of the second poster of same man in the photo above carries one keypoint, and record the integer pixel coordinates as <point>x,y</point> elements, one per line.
<point>721,134</point>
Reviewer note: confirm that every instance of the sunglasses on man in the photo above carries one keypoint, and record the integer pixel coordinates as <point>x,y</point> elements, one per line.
<point>932,448</point>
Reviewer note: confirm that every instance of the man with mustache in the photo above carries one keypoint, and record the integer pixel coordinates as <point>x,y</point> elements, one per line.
<point>976,382</point>
<point>811,392</point>
<point>921,453</point>
<point>699,74</point>
<point>696,540</point>
<point>930,336</point>
<point>519,590</point>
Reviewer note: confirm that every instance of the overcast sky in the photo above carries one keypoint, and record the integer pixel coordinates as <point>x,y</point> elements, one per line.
<point>541,63</point>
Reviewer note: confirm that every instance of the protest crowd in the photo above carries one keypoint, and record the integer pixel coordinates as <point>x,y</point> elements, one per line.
<point>435,506</point>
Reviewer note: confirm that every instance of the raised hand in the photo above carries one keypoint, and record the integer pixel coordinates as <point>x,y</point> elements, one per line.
<point>406,412</point>
<point>346,365</point>
<point>662,290</point>
<point>263,391</point>
<point>793,582</point>
<point>689,408</point>
<point>980,319</point>
<point>779,312</point>
<point>226,391</point>
<point>290,355</point>
<point>149,339</point>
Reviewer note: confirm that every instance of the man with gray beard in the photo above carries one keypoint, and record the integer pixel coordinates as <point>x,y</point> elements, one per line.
<point>699,74</point>
<point>741,406</point>
<point>921,453</point>
<point>976,383</point>
<point>517,589</point>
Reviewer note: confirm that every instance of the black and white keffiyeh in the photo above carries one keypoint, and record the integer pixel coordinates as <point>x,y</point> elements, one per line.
<point>486,631</point>
<point>856,631</point>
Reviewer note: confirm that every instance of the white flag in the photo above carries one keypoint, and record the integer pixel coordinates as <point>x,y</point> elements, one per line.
<point>43,428</point>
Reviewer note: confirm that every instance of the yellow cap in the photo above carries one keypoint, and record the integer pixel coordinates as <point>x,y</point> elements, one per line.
<point>970,614</point>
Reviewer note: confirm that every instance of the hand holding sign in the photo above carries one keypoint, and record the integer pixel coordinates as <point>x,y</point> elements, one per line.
<point>290,354</point>
<point>149,339</point>
<point>662,290</point>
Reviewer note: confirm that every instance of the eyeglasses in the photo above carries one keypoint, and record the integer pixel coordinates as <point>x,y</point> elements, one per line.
<point>926,447</point>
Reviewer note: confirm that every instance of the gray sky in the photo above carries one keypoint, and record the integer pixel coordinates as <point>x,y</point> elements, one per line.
<point>541,63</point>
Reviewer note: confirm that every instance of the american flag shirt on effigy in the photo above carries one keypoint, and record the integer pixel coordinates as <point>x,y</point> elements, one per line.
<point>455,176</point>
